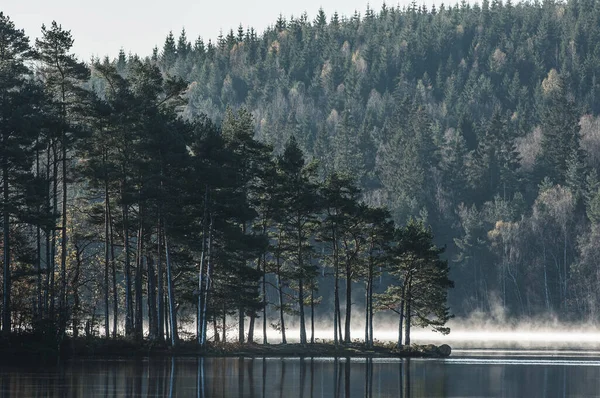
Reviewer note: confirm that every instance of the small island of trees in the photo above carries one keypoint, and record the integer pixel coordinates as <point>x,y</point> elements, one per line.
<point>120,209</point>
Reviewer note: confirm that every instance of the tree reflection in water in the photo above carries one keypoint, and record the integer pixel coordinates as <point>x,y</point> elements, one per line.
<point>293,377</point>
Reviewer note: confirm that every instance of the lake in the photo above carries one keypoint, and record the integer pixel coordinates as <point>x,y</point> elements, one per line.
<point>467,373</point>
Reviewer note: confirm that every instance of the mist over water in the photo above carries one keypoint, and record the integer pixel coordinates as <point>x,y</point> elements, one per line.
<point>468,334</point>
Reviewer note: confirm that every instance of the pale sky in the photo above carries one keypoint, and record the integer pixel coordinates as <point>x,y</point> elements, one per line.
<point>102,27</point>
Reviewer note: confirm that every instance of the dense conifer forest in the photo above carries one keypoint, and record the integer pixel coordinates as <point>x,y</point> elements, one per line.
<point>368,162</point>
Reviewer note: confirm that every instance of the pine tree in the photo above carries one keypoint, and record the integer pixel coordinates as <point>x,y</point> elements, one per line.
<point>64,76</point>
<point>20,103</point>
<point>168,56</point>
<point>378,232</point>
<point>421,293</point>
<point>338,228</point>
<point>560,132</point>
<point>300,199</point>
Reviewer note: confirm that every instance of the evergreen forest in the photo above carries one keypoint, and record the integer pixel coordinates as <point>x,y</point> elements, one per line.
<point>410,162</point>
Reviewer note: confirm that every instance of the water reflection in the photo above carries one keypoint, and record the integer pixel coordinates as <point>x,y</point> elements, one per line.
<point>308,377</point>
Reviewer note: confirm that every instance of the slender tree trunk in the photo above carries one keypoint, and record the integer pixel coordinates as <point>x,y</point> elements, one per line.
<point>6,305</point>
<point>139,308</point>
<point>38,238</point>
<point>208,282</point>
<point>336,290</point>
<point>312,314</point>
<point>565,280</point>
<point>408,315</point>
<point>47,233</point>
<point>400,323</point>
<point>139,305</point>
<point>301,289</point>
<point>253,314</point>
<point>199,304</point>
<point>280,292</point>
<point>340,325</point>
<point>113,265</point>
<point>281,317</point>
<point>216,329</point>
<point>402,312</point>
<point>63,241</point>
<point>170,286</point>
<point>55,213</point>
<point>106,257</point>
<point>367,312</point>
<point>165,301</point>
<point>224,320</point>
<point>263,293</point>
<point>159,281</point>
<point>348,302</point>
<point>264,298</point>
<point>241,325</point>
<point>152,314</point>
<point>76,299</point>
<point>302,320</point>
<point>371,306</point>
<point>128,296</point>
<point>369,300</point>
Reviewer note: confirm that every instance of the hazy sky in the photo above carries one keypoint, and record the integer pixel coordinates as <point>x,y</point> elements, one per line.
<point>102,27</point>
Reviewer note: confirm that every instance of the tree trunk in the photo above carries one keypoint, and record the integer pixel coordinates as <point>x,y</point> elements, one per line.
<point>224,320</point>
<point>171,293</point>
<point>400,323</point>
<point>302,320</point>
<point>207,283</point>
<point>128,296</point>
<point>113,265</point>
<point>565,280</point>
<point>152,314</point>
<point>264,297</point>
<point>280,292</point>
<point>199,302</point>
<point>139,308</point>
<point>106,258</point>
<point>47,236</point>
<point>55,213</point>
<point>165,301</point>
<point>369,300</point>
<point>371,306</point>
<point>336,291</point>
<point>241,325</point>
<point>6,318</point>
<point>301,289</point>
<point>348,303</point>
<point>76,299</point>
<point>312,314</point>
<point>159,281</point>
<point>38,240</point>
<point>139,305</point>
<point>216,330</point>
<point>253,314</point>
<point>63,241</point>
<point>367,340</point>
<point>408,315</point>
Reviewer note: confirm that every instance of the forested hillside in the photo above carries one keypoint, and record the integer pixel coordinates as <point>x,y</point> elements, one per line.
<point>479,119</point>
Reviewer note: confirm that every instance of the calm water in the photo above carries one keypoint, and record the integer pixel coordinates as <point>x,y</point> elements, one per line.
<point>469,373</point>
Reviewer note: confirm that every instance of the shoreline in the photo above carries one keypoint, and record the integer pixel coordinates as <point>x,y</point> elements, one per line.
<point>30,347</point>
